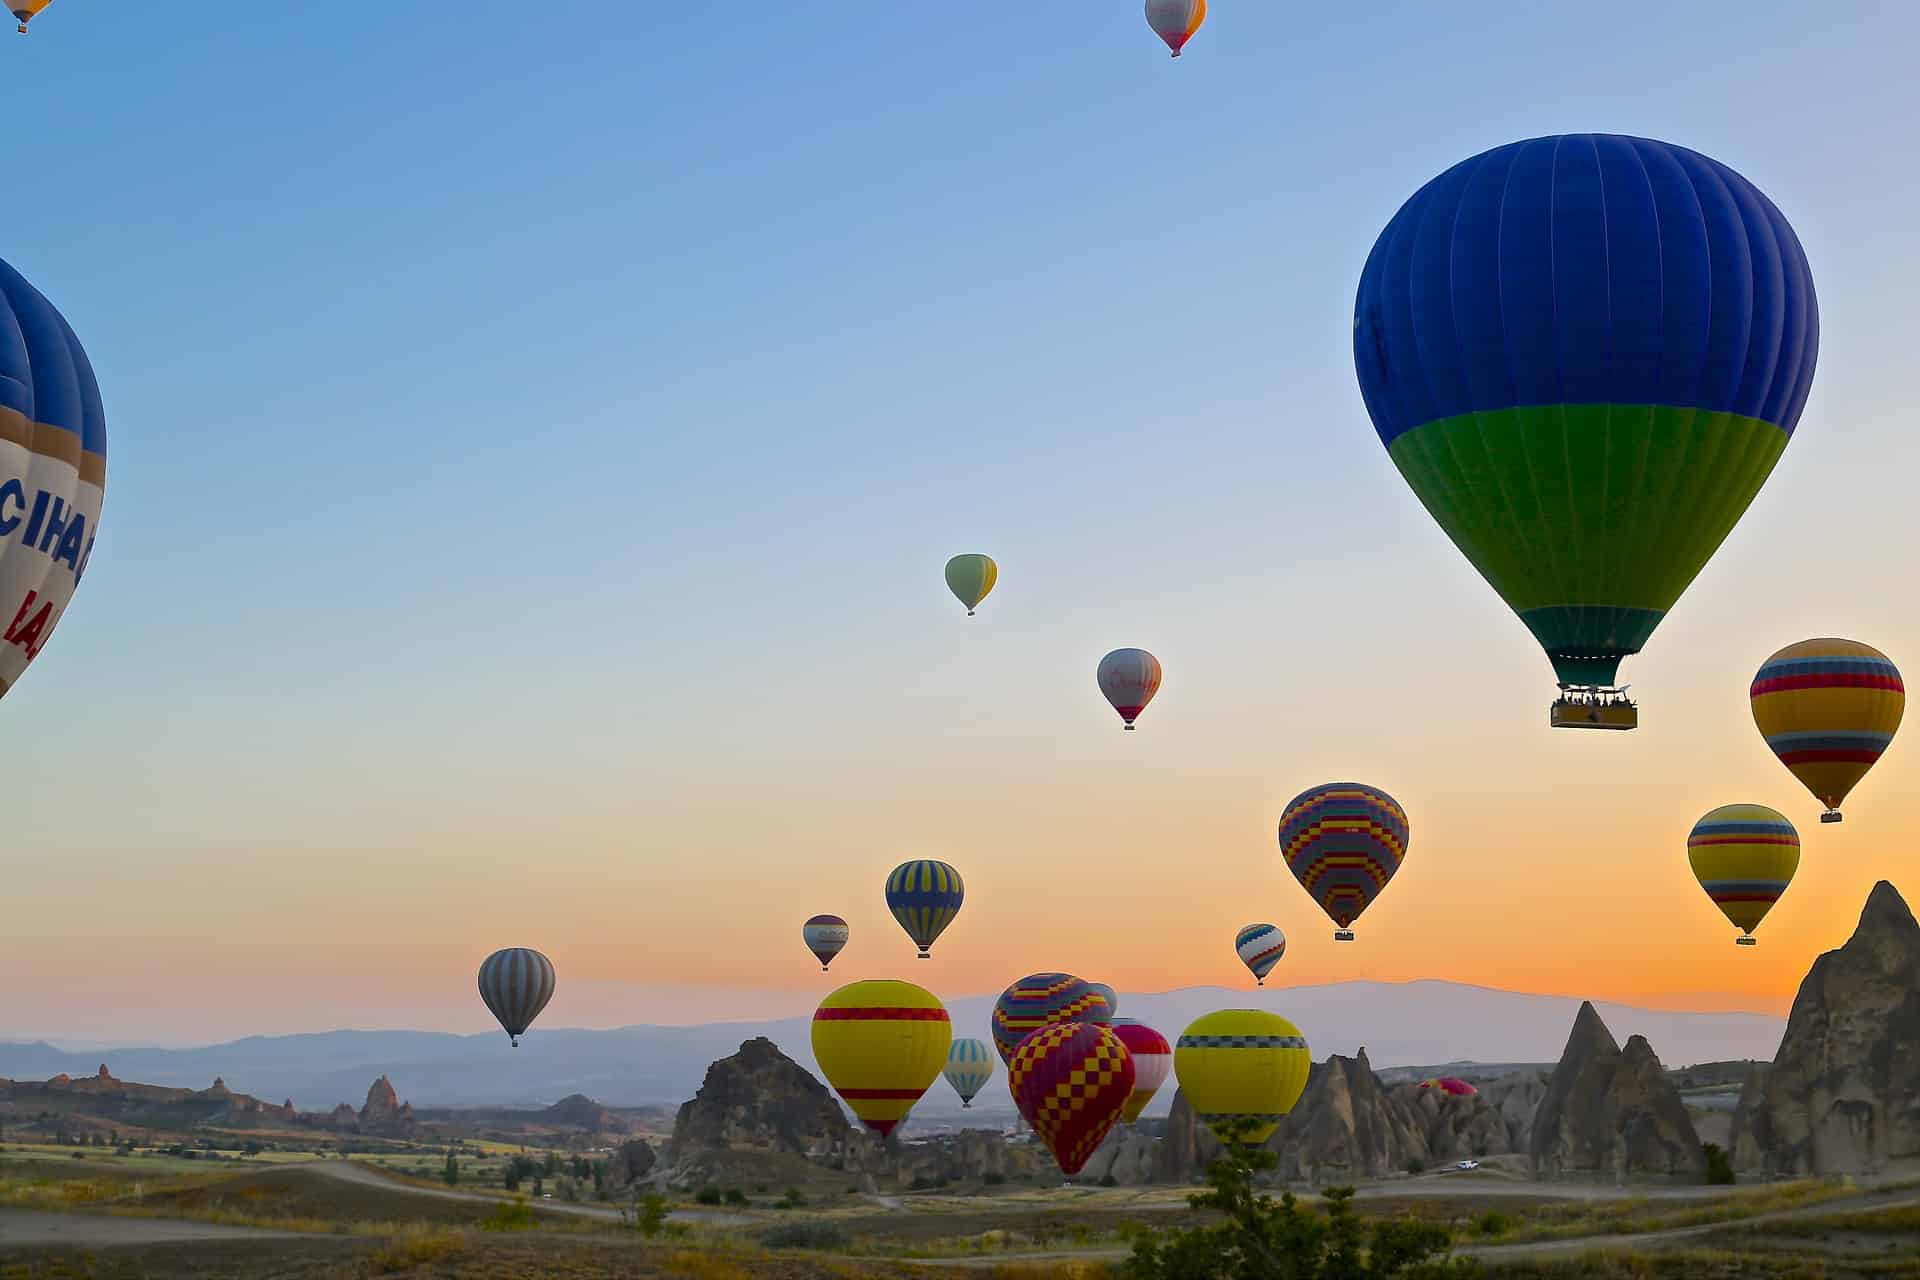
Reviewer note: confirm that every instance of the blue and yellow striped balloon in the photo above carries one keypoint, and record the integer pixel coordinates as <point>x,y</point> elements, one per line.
<point>1828,709</point>
<point>924,897</point>
<point>969,1067</point>
<point>1744,855</point>
<point>1343,841</point>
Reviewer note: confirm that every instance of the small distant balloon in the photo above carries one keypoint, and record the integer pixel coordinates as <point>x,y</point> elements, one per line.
<point>516,984</point>
<point>1175,21</point>
<point>1128,679</point>
<point>970,577</point>
<point>1071,1081</point>
<point>24,10</point>
<point>1260,947</point>
<point>969,1067</point>
<point>1106,993</point>
<point>1744,856</point>
<point>924,896</point>
<point>1452,1086</point>
<point>825,936</point>
<point>1828,709</point>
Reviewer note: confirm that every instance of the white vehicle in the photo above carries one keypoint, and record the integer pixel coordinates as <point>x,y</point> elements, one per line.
<point>1465,1165</point>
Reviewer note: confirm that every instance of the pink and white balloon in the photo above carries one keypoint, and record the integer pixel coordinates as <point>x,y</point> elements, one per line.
<point>1128,679</point>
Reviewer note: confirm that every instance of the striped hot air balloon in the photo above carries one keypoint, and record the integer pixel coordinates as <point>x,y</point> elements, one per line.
<point>825,936</point>
<point>1039,1000</point>
<point>970,577</point>
<point>1175,21</point>
<point>1260,947</point>
<point>924,897</point>
<point>1107,994</point>
<point>1828,709</point>
<point>1744,855</point>
<point>1128,679</point>
<point>880,1044</point>
<point>53,470</point>
<point>516,984</point>
<point>969,1067</point>
<point>1152,1063</point>
<point>1585,354</point>
<point>1343,842</point>
<point>1071,1080</point>
<point>1242,1066</point>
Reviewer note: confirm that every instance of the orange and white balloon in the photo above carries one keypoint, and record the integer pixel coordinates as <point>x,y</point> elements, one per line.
<point>1175,21</point>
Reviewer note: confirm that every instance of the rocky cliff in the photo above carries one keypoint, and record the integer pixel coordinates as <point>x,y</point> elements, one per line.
<point>1612,1111</point>
<point>1348,1126</point>
<point>759,1099</point>
<point>1843,1093</point>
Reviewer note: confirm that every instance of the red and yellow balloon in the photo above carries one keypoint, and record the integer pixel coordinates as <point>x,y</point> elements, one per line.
<point>881,1044</point>
<point>1071,1081</point>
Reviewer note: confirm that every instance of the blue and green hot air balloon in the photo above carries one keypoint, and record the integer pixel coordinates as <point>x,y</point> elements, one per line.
<point>924,896</point>
<point>1585,353</point>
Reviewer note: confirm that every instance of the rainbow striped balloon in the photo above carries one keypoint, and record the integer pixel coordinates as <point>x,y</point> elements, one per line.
<point>1039,1000</point>
<point>1260,947</point>
<point>1744,855</point>
<point>1828,708</point>
<point>1343,841</point>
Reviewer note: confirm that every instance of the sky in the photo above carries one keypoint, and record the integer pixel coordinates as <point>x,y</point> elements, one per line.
<point>535,437</point>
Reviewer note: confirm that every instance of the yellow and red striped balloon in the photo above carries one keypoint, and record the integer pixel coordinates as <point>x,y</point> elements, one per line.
<point>1828,709</point>
<point>881,1044</point>
<point>1175,21</point>
<point>1744,856</point>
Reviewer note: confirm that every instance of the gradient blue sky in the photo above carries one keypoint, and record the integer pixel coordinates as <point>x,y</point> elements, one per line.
<point>536,433</point>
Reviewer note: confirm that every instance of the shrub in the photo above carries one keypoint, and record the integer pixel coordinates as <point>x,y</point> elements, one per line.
<point>707,1195</point>
<point>650,1214</point>
<point>735,1196</point>
<point>1108,1180</point>
<point>517,1216</point>
<point>806,1233</point>
<point>1493,1223</point>
<point>792,1199</point>
<point>415,1249</point>
<point>994,1179</point>
<point>1416,1165</point>
<point>1719,1168</point>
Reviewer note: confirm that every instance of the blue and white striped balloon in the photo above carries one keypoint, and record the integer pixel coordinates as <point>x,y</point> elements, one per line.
<point>1260,947</point>
<point>969,1067</point>
<point>516,984</point>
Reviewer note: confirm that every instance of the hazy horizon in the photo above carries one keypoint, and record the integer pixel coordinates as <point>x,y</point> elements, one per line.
<point>535,442</point>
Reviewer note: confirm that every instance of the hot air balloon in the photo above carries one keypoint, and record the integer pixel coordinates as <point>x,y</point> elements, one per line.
<point>1242,1065</point>
<point>1129,678</point>
<point>969,1067</point>
<point>825,936</point>
<point>1828,708</point>
<point>516,984</point>
<point>1175,21</point>
<point>1451,1086</point>
<point>53,468</point>
<point>1071,1081</point>
<point>1152,1063</point>
<point>970,577</point>
<point>924,897</point>
<point>1106,993</point>
<point>880,1044</point>
<point>26,9</point>
<point>1585,354</point>
<point>1744,855</point>
<point>1039,1000</point>
<point>1343,842</point>
<point>1260,947</point>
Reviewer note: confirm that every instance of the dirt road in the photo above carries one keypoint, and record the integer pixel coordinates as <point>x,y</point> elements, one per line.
<point>347,1171</point>
<point>31,1228</point>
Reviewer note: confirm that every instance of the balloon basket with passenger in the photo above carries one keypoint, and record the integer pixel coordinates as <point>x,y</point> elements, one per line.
<point>1584,706</point>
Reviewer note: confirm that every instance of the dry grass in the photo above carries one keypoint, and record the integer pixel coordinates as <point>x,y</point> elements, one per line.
<point>1568,1219</point>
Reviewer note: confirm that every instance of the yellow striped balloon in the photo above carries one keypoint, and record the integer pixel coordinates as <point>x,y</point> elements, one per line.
<point>881,1044</point>
<point>1744,855</point>
<point>970,577</point>
<point>1828,708</point>
<point>1242,1065</point>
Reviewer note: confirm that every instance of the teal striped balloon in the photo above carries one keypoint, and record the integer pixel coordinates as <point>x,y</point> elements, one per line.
<point>969,1067</point>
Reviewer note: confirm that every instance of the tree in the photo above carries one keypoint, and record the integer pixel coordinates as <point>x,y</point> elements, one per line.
<point>451,1174</point>
<point>1719,1168</point>
<point>1265,1239</point>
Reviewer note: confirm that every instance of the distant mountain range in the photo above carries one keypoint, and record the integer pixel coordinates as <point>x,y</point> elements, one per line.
<point>1398,1024</point>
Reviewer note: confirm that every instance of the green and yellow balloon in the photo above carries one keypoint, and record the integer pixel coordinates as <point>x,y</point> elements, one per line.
<point>970,577</point>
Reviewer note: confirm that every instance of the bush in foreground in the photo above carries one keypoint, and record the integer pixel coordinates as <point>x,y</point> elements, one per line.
<point>812,1233</point>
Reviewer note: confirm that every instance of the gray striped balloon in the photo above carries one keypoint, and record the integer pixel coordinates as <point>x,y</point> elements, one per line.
<point>516,984</point>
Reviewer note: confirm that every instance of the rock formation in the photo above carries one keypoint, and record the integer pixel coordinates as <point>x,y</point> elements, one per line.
<point>1612,1111</point>
<point>1843,1093</point>
<point>578,1111</point>
<point>384,1114</point>
<point>1347,1126</point>
<point>1126,1156</point>
<point>759,1099</point>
